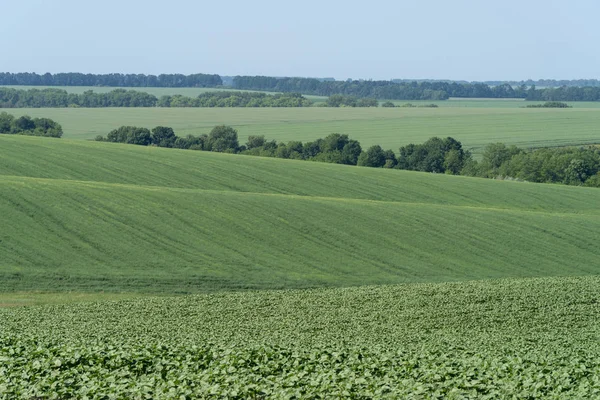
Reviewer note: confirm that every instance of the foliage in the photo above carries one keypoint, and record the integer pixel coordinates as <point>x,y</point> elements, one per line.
<point>564,93</point>
<point>28,126</point>
<point>235,99</point>
<point>550,104</point>
<point>527,338</point>
<point>130,135</point>
<point>36,98</point>
<point>223,139</point>
<point>373,157</point>
<point>339,100</point>
<point>435,155</point>
<point>570,165</point>
<point>115,80</point>
<point>39,98</point>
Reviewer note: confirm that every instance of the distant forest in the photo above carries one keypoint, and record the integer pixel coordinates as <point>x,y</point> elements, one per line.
<point>58,98</point>
<point>111,80</point>
<point>391,90</point>
<point>425,90</point>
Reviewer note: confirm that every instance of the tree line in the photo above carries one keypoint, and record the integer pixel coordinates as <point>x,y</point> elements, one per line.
<point>25,125</point>
<point>235,99</point>
<point>111,80</point>
<point>564,93</point>
<point>578,90</point>
<point>571,166</point>
<point>414,90</point>
<point>38,98</point>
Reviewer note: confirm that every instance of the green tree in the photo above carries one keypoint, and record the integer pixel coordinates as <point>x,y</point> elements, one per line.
<point>6,122</point>
<point>255,141</point>
<point>223,138</point>
<point>163,136</point>
<point>373,157</point>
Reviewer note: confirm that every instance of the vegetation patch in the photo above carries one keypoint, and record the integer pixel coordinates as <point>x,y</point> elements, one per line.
<point>28,126</point>
<point>527,338</point>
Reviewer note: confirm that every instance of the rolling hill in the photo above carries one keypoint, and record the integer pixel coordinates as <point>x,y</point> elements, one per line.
<point>85,216</point>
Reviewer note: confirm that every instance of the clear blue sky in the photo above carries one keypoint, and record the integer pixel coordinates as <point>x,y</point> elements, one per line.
<point>441,39</point>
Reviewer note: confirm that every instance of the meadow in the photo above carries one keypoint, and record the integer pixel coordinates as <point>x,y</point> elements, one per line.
<point>391,128</point>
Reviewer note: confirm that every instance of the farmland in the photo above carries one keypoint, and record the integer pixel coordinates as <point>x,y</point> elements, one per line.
<point>527,338</point>
<point>93,216</point>
<point>475,127</point>
<point>294,278</point>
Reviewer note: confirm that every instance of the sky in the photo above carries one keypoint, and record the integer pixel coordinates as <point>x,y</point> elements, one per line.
<point>474,40</point>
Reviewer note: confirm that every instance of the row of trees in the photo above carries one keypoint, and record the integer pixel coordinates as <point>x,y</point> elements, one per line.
<point>222,138</point>
<point>334,148</point>
<point>564,93</point>
<point>339,100</point>
<point>26,125</point>
<point>236,99</point>
<point>579,90</point>
<point>550,104</point>
<point>112,80</point>
<point>571,166</point>
<point>549,83</point>
<point>36,98</point>
<point>415,90</point>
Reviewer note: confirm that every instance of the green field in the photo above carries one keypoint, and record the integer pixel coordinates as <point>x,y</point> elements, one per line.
<point>525,338</point>
<point>83,216</point>
<point>391,128</point>
<point>396,284</point>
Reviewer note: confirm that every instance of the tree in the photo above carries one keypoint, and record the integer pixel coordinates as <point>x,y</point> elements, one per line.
<point>373,157</point>
<point>494,155</point>
<point>163,136</point>
<point>6,122</point>
<point>351,152</point>
<point>130,135</point>
<point>223,138</point>
<point>24,123</point>
<point>390,159</point>
<point>255,141</point>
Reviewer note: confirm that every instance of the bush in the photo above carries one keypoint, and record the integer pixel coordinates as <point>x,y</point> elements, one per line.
<point>26,125</point>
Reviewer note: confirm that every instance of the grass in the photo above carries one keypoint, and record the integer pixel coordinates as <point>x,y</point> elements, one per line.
<point>391,128</point>
<point>524,338</point>
<point>85,216</point>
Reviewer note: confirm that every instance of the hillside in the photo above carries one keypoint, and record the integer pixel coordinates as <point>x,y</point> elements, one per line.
<point>94,216</point>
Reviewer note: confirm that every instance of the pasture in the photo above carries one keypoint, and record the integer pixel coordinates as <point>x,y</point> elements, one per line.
<point>391,128</point>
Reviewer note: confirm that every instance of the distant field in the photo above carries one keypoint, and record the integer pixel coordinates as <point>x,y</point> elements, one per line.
<point>391,128</point>
<point>87,216</point>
